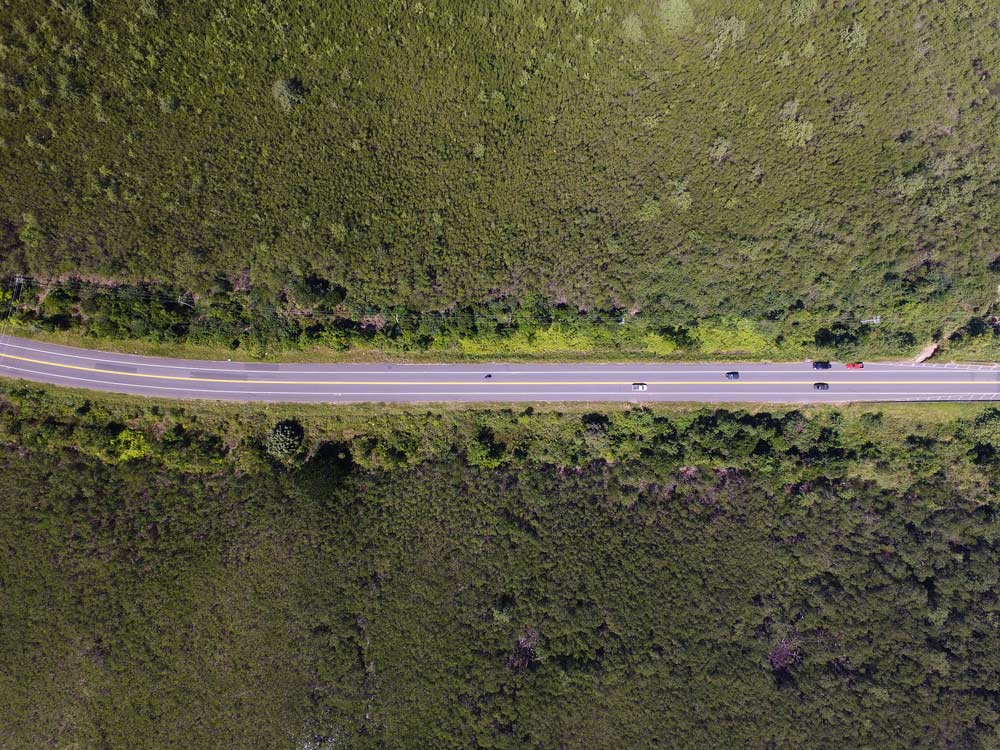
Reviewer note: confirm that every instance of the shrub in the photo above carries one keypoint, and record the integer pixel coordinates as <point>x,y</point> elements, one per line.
<point>284,440</point>
<point>728,33</point>
<point>658,345</point>
<point>30,232</point>
<point>855,37</point>
<point>130,445</point>
<point>676,15</point>
<point>524,650</point>
<point>784,654</point>
<point>730,335</point>
<point>801,11</point>
<point>632,29</point>
<point>679,197</point>
<point>288,93</point>
<point>719,151</point>
<point>793,130</point>
<point>650,210</point>
<point>337,231</point>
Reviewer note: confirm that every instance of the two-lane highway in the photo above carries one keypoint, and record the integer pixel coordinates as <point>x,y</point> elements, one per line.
<point>243,381</point>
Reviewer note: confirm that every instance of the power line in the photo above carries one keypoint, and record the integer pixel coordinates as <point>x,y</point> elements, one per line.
<point>254,310</point>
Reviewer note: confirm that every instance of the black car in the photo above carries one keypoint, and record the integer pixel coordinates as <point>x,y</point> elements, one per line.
<point>733,375</point>
<point>821,386</point>
<point>821,365</point>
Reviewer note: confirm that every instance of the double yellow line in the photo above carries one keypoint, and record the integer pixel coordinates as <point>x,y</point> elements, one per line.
<point>730,383</point>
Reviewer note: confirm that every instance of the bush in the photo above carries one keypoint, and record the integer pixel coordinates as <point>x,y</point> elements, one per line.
<point>676,15</point>
<point>130,445</point>
<point>284,440</point>
<point>288,93</point>
<point>731,335</point>
<point>784,654</point>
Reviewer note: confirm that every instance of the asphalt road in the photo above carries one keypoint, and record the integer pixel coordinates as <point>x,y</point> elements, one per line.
<point>790,382</point>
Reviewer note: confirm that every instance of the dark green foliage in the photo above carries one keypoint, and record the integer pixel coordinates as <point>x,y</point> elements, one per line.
<point>147,311</point>
<point>628,578</point>
<point>792,163</point>
<point>319,320</point>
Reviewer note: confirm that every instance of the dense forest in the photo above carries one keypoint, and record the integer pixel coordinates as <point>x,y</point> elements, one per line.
<point>787,169</point>
<point>178,576</point>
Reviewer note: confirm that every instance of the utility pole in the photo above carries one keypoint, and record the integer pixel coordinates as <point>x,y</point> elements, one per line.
<point>14,294</point>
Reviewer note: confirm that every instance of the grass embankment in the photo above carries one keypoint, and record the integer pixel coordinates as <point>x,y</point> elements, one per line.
<point>186,575</point>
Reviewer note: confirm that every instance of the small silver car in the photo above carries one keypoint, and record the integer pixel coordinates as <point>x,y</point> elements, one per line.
<point>639,387</point>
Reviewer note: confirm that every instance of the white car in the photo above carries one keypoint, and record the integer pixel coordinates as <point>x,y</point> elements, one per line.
<point>639,386</point>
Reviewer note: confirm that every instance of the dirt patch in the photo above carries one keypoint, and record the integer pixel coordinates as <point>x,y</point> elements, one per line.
<point>926,353</point>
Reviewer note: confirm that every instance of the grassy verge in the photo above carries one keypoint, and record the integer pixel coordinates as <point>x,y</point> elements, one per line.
<point>239,325</point>
<point>630,342</point>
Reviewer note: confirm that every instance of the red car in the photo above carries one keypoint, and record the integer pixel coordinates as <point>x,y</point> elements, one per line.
<point>855,365</point>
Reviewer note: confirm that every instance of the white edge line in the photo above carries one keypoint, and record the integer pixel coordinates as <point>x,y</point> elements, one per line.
<point>12,342</point>
<point>499,397</point>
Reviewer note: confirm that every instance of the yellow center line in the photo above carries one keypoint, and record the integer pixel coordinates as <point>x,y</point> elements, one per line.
<point>480,382</point>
